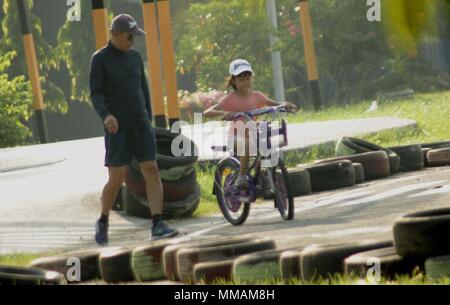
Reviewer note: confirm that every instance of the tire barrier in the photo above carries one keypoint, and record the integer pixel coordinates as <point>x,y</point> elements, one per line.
<point>10,275</point>
<point>290,265</point>
<point>323,261</point>
<point>390,264</point>
<point>425,157</point>
<point>423,234</point>
<point>331,175</point>
<point>438,157</point>
<point>138,206</point>
<point>170,261</point>
<point>188,257</point>
<point>359,173</point>
<point>300,181</point>
<point>411,157</point>
<point>376,164</point>
<point>258,267</point>
<point>357,146</point>
<point>115,266</point>
<point>213,272</point>
<point>147,262</point>
<point>89,267</point>
<point>438,267</point>
<point>436,145</point>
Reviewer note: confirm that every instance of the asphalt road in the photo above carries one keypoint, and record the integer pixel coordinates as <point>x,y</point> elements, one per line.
<point>365,211</point>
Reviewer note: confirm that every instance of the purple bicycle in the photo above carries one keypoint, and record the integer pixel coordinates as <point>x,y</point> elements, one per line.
<point>266,174</point>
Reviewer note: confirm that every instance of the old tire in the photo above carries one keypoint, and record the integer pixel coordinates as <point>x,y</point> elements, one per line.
<point>376,164</point>
<point>138,206</point>
<point>115,266</point>
<point>10,275</point>
<point>323,261</point>
<point>188,257</point>
<point>257,267</point>
<point>172,190</point>
<point>436,145</point>
<point>300,181</point>
<point>438,157</point>
<point>411,157</point>
<point>90,269</point>
<point>331,175</point>
<point>290,265</point>
<point>360,146</point>
<point>147,262</point>
<point>390,263</point>
<point>169,255</point>
<point>213,272</point>
<point>423,233</point>
<point>438,267</point>
<point>359,173</point>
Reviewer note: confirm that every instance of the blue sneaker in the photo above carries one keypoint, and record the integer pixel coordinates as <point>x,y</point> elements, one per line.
<point>161,230</point>
<point>101,233</point>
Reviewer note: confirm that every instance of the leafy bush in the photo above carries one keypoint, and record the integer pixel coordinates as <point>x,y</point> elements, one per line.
<point>15,105</point>
<point>197,102</point>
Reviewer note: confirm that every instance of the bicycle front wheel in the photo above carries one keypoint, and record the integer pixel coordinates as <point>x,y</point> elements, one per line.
<point>228,195</point>
<point>283,197</point>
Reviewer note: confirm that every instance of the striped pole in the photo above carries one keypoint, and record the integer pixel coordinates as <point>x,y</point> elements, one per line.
<point>154,66</point>
<point>311,65</point>
<point>33,73</point>
<point>168,57</point>
<point>100,17</point>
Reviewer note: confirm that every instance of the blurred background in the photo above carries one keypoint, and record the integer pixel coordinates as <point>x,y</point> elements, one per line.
<point>408,49</point>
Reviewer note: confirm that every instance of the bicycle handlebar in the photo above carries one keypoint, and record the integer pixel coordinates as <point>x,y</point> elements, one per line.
<point>261,111</point>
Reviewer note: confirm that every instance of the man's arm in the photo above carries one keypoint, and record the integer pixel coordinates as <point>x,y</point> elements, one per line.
<point>96,87</point>
<point>146,91</point>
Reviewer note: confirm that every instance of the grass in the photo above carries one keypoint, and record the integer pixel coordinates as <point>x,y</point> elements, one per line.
<point>431,112</point>
<point>21,259</point>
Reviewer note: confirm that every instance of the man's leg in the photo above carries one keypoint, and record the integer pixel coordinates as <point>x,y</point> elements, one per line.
<point>111,188</point>
<point>109,194</point>
<point>155,198</point>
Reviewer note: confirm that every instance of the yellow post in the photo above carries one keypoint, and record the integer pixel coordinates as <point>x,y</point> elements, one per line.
<point>168,57</point>
<point>154,66</point>
<point>310,55</point>
<point>100,17</point>
<point>33,73</point>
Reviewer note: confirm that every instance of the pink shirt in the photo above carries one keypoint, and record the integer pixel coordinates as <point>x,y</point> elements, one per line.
<point>234,103</point>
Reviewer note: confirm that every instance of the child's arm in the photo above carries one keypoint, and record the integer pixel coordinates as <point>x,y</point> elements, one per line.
<point>289,105</point>
<point>214,111</point>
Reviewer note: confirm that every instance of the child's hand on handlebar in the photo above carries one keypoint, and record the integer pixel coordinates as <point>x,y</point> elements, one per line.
<point>290,106</point>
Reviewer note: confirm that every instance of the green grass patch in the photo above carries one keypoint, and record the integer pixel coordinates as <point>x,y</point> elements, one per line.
<point>431,112</point>
<point>21,259</point>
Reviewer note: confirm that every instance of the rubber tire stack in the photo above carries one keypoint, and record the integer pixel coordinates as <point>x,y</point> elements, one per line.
<point>181,190</point>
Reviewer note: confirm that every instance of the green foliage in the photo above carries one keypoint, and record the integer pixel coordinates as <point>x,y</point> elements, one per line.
<point>12,41</point>
<point>15,101</point>
<point>76,44</point>
<point>355,57</point>
<point>209,36</point>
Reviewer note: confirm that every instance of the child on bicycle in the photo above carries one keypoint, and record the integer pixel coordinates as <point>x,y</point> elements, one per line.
<point>242,99</point>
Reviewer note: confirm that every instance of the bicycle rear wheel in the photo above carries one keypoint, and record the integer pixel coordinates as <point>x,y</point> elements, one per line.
<point>228,195</point>
<point>283,198</point>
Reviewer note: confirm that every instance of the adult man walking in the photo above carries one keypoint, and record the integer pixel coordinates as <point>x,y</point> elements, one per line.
<point>120,95</point>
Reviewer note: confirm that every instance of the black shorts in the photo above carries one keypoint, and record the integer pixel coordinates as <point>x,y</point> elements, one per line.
<point>123,146</point>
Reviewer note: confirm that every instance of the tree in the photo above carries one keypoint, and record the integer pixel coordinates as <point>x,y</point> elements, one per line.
<point>15,101</point>
<point>12,41</point>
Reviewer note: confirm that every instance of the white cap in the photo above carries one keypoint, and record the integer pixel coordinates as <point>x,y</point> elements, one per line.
<point>240,65</point>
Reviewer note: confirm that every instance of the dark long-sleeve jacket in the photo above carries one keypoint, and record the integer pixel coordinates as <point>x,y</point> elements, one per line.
<point>119,87</point>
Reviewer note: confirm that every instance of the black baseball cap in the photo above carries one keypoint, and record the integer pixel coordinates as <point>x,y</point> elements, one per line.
<point>124,23</point>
